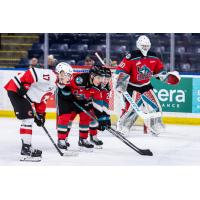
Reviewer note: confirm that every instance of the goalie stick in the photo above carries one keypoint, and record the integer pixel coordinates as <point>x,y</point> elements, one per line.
<point>144,152</point>
<point>46,131</point>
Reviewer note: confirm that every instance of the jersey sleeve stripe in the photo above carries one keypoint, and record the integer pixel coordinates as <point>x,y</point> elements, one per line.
<point>34,74</point>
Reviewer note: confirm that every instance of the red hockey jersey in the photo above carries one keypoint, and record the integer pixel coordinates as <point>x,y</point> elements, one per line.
<point>140,68</point>
<point>88,91</point>
<point>106,99</point>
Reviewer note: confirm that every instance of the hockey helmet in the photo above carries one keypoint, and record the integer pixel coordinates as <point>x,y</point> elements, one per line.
<point>107,72</point>
<point>97,71</point>
<point>65,67</point>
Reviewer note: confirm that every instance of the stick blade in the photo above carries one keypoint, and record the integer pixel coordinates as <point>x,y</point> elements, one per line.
<point>146,152</point>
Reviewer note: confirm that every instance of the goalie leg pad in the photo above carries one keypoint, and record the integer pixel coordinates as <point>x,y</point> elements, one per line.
<point>149,98</point>
<point>122,82</point>
<point>129,117</point>
<point>152,104</point>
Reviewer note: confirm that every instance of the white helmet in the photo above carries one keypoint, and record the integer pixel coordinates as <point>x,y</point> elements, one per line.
<point>64,67</point>
<point>143,44</point>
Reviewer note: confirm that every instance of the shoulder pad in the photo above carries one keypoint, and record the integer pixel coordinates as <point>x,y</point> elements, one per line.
<point>153,54</point>
<point>133,54</point>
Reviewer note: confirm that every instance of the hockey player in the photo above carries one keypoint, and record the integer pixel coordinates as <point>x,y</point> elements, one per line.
<point>106,88</point>
<point>64,102</point>
<point>134,74</point>
<point>102,113</point>
<point>85,90</point>
<point>33,87</point>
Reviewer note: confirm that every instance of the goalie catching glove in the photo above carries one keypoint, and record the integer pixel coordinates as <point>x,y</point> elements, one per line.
<point>172,78</point>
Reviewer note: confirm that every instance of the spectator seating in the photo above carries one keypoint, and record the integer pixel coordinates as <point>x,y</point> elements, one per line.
<point>74,47</point>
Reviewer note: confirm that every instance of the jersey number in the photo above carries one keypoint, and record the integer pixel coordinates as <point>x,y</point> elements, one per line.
<point>46,77</point>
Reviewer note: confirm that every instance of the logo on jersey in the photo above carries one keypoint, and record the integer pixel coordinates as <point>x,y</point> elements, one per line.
<point>30,113</point>
<point>122,64</point>
<point>46,77</point>
<point>144,73</point>
<point>79,80</point>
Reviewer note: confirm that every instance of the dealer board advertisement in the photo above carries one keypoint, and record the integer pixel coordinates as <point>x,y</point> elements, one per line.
<point>175,98</point>
<point>183,98</point>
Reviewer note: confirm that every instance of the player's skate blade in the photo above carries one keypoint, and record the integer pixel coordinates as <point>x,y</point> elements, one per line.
<point>84,149</point>
<point>98,146</point>
<point>71,152</point>
<point>25,158</point>
<point>29,154</point>
<point>65,146</point>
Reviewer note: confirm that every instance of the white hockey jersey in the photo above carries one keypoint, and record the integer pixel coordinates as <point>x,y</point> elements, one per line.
<point>40,84</point>
<point>44,85</point>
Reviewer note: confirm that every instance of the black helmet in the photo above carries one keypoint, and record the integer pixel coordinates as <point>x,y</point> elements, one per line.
<point>107,72</point>
<point>97,71</point>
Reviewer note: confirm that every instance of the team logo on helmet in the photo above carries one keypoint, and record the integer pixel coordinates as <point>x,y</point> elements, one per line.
<point>79,80</point>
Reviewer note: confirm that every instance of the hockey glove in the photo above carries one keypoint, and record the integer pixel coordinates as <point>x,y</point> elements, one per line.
<point>108,122</point>
<point>88,106</point>
<point>39,119</point>
<point>104,122</point>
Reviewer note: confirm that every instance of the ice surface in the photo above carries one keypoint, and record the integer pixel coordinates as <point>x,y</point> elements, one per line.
<point>180,145</point>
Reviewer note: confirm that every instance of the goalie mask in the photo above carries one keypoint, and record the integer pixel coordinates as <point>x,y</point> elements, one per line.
<point>143,44</point>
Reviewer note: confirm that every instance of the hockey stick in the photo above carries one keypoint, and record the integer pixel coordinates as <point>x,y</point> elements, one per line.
<point>44,128</point>
<point>51,139</point>
<point>70,153</point>
<point>145,152</point>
